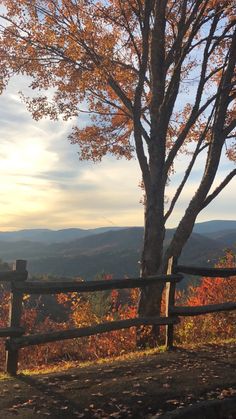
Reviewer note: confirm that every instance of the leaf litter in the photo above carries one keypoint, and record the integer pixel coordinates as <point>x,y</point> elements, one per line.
<point>119,390</point>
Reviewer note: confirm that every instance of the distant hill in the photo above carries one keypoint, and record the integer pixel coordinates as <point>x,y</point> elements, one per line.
<point>214,226</point>
<point>115,251</point>
<point>227,238</point>
<point>69,234</point>
<point>103,253</point>
<point>52,236</point>
<point>128,238</point>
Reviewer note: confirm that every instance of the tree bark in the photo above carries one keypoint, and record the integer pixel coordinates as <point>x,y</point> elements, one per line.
<point>150,297</point>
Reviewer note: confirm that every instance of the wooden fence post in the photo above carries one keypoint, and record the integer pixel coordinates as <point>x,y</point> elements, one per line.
<point>170,302</point>
<point>15,311</point>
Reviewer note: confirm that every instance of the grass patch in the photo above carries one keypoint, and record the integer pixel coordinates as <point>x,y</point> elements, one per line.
<point>5,376</point>
<point>66,365</point>
<point>201,344</point>
<point>63,366</point>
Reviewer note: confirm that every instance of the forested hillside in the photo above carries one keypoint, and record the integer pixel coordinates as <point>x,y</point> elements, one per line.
<point>116,251</point>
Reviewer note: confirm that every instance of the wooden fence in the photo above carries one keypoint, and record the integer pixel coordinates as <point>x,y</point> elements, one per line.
<point>20,286</point>
<point>173,311</point>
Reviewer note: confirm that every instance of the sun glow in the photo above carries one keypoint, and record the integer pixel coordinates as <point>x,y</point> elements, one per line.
<point>27,157</point>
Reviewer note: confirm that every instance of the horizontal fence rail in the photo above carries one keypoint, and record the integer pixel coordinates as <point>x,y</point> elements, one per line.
<point>87,331</point>
<point>210,308</point>
<point>211,272</point>
<point>178,311</point>
<point>13,276</point>
<point>11,332</point>
<point>20,286</point>
<point>198,310</point>
<point>56,287</point>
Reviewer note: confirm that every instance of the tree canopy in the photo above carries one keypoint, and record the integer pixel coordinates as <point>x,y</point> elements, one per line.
<point>118,60</point>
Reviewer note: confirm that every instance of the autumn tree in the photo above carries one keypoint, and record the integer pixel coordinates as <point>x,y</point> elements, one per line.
<point>129,63</point>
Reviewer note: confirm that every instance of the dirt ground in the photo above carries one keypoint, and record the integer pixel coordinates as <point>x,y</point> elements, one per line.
<point>149,387</point>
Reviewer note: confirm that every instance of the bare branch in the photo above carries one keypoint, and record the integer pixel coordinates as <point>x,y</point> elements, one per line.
<point>198,150</point>
<point>182,136</point>
<point>219,188</point>
<point>130,32</point>
<point>185,178</point>
<point>173,87</point>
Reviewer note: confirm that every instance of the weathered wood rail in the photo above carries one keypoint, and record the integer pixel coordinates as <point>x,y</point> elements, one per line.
<point>176,311</point>
<point>19,285</point>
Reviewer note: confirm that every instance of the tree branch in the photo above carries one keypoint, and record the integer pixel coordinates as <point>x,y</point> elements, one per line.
<point>197,151</point>
<point>182,136</point>
<point>158,57</point>
<point>230,128</point>
<point>199,200</point>
<point>219,188</point>
<point>196,112</point>
<point>180,54</point>
<point>185,178</point>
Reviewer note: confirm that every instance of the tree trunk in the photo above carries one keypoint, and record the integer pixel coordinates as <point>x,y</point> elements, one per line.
<point>150,297</point>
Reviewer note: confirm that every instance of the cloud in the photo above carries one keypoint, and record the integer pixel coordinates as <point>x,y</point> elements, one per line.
<point>44,184</point>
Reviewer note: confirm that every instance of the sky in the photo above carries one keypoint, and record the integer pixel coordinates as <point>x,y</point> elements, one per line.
<point>45,185</point>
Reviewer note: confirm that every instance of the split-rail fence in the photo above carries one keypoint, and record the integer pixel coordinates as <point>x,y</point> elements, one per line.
<point>20,285</point>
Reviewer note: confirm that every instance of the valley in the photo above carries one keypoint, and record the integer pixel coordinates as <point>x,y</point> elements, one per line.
<point>116,251</point>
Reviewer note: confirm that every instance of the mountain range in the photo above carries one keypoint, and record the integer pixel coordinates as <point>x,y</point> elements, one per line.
<point>43,235</point>
<point>115,250</point>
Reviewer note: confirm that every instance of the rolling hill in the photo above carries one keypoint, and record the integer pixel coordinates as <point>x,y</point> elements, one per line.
<point>115,251</point>
<point>214,226</point>
<point>51,236</point>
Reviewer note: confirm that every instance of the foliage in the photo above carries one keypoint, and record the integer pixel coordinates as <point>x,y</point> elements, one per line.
<point>210,291</point>
<point>83,311</point>
<point>106,344</point>
<point>97,53</point>
<point>86,310</point>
